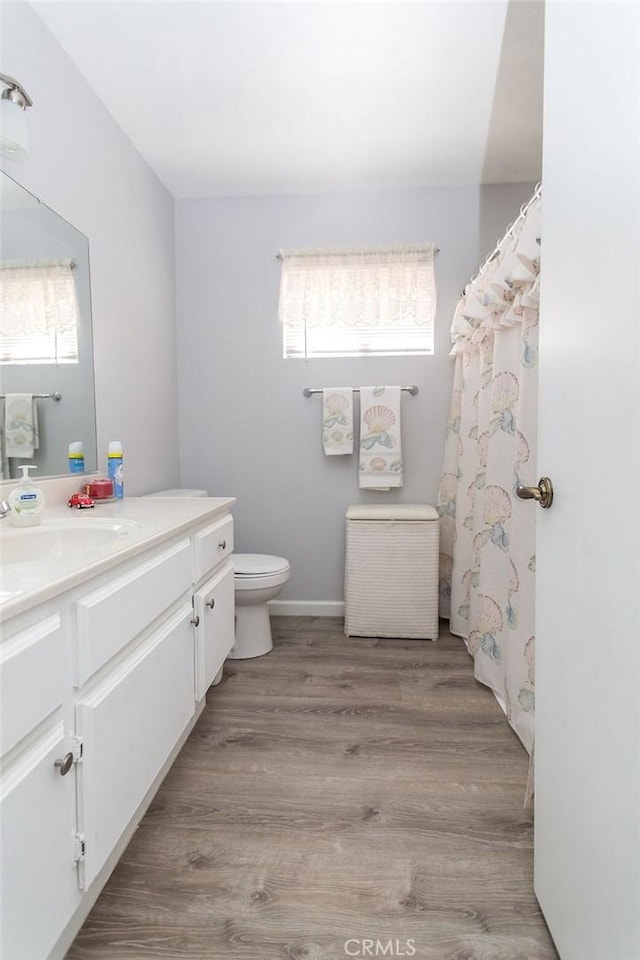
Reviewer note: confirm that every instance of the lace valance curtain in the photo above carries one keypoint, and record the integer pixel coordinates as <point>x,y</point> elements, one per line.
<point>371,301</point>
<point>38,312</point>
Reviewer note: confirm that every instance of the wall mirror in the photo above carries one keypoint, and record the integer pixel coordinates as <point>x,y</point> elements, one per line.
<point>46,341</point>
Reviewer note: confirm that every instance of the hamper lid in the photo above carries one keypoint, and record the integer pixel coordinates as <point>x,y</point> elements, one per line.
<point>396,511</point>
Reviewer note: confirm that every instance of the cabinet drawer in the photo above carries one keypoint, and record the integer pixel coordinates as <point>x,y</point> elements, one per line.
<point>109,618</point>
<point>211,545</point>
<point>214,608</point>
<point>33,671</point>
<point>130,723</point>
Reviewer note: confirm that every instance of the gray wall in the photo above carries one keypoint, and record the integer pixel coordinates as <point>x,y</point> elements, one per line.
<point>245,428</point>
<point>83,166</point>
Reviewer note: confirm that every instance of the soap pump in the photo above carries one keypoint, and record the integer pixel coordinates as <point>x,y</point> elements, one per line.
<point>26,500</point>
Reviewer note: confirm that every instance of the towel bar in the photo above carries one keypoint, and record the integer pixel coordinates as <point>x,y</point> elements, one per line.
<point>39,396</point>
<point>309,391</point>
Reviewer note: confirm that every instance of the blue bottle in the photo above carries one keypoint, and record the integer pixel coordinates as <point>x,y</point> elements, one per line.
<point>115,468</point>
<point>76,457</point>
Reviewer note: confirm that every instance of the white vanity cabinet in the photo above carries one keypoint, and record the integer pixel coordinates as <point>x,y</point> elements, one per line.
<point>39,886</point>
<point>128,724</point>
<point>213,606</point>
<point>38,880</point>
<point>101,685</point>
<point>213,600</point>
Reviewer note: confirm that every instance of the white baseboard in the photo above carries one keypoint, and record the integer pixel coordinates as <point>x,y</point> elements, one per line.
<point>306,608</point>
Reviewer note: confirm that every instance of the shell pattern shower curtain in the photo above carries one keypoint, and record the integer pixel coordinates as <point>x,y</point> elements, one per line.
<point>487,562</point>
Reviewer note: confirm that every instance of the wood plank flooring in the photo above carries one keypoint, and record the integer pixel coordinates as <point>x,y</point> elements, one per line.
<point>336,792</point>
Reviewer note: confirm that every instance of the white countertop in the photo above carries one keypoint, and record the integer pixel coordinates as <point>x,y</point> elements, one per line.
<point>146,522</point>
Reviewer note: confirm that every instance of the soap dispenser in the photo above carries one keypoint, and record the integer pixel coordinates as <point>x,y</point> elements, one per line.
<point>26,500</point>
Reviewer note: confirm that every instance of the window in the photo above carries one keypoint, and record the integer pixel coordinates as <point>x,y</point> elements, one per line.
<point>358,302</point>
<point>38,312</point>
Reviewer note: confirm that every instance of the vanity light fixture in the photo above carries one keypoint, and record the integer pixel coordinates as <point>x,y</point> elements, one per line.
<point>14,101</point>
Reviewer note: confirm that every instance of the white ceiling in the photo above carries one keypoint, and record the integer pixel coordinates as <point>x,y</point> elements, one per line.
<point>251,98</point>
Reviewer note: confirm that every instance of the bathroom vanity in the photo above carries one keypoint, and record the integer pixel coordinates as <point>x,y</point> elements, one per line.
<point>114,626</point>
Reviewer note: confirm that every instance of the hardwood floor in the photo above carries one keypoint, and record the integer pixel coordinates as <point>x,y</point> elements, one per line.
<point>336,792</point>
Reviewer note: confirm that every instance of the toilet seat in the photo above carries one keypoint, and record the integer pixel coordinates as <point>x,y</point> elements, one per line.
<point>255,570</point>
<point>258,564</point>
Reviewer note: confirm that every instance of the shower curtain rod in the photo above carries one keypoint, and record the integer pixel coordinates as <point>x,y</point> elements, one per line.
<point>508,233</point>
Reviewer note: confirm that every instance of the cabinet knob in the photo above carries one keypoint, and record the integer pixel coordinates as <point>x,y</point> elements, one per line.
<point>196,620</point>
<point>65,764</point>
<point>223,544</point>
<point>211,603</point>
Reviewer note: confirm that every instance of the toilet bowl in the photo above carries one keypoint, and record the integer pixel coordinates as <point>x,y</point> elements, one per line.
<point>258,578</point>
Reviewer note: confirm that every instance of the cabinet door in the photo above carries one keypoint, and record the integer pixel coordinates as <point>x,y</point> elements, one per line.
<point>130,723</point>
<point>214,608</point>
<point>38,875</point>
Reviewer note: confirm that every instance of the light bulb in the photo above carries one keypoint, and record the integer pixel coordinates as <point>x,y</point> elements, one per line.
<point>14,137</point>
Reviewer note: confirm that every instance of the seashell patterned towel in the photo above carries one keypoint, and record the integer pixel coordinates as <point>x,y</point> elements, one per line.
<point>380,438</point>
<point>337,420</point>
<point>20,425</point>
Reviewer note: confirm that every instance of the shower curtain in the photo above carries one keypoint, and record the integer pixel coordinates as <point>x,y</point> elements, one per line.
<point>487,561</point>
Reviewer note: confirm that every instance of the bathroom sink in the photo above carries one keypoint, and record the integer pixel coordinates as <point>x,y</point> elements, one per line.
<point>64,541</point>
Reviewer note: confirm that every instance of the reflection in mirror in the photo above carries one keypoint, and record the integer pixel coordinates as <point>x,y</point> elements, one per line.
<point>46,343</point>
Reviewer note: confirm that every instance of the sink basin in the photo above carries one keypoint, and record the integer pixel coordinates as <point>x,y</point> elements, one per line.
<point>64,541</point>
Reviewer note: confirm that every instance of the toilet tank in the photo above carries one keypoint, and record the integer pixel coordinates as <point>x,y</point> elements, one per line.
<point>178,493</point>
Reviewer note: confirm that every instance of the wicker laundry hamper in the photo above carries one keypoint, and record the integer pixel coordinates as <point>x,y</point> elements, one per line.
<point>391,571</point>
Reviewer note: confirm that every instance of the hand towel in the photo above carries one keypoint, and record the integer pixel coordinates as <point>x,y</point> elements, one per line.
<point>380,438</point>
<point>337,420</point>
<point>4,463</point>
<point>20,425</point>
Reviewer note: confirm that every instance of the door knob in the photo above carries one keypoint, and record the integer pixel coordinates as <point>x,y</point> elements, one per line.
<point>211,603</point>
<point>65,764</point>
<point>543,493</point>
<point>195,620</point>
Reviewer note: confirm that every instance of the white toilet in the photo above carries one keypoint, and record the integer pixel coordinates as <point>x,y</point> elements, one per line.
<point>258,578</point>
<point>178,493</point>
